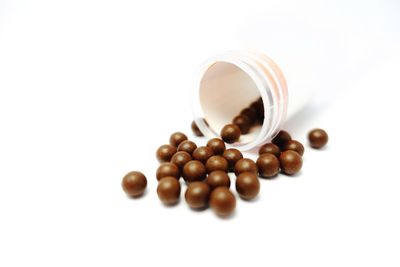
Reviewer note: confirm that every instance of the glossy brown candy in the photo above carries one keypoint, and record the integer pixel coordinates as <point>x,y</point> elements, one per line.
<point>247,185</point>
<point>250,113</point>
<point>134,183</point>
<point>187,146</point>
<point>268,165</point>
<point>218,178</point>
<point>193,171</point>
<point>318,138</point>
<point>222,201</point>
<point>269,148</point>
<point>169,190</point>
<point>180,159</point>
<point>217,163</point>
<point>232,155</point>
<point>195,129</point>
<point>290,162</point>
<point>245,165</point>
<point>217,145</point>
<point>281,138</point>
<point>230,133</point>
<point>197,195</point>
<point>243,122</point>
<point>202,153</point>
<point>167,169</point>
<point>295,146</point>
<point>177,138</point>
<point>165,152</point>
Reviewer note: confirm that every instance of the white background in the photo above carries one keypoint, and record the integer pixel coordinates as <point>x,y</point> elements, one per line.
<point>90,89</point>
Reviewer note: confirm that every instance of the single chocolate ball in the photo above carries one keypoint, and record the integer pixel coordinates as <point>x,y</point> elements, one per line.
<point>165,152</point>
<point>187,146</point>
<point>134,183</point>
<point>167,169</point>
<point>169,190</point>
<point>177,138</point>
<point>281,138</point>
<point>216,163</point>
<point>268,165</point>
<point>218,178</point>
<point>217,145</point>
<point>290,162</point>
<point>250,113</point>
<point>196,129</point>
<point>197,195</point>
<point>222,201</point>
<point>180,159</point>
<point>259,107</point>
<point>318,138</point>
<point>243,122</point>
<point>295,146</point>
<point>202,153</point>
<point>232,155</point>
<point>247,185</point>
<point>194,170</point>
<point>245,165</point>
<point>269,148</point>
<point>230,133</point>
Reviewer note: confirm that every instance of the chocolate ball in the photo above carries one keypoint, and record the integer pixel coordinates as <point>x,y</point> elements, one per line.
<point>167,169</point>
<point>169,190</point>
<point>295,146</point>
<point>318,138</point>
<point>243,122</point>
<point>194,170</point>
<point>187,146</point>
<point>250,113</point>
<point>281,138</point>
<point>217,145</point>
<point>222,201</point>
<point>268,165</point>
<point>216,163</point>
<point>195,129</point>
<point>134,183</point>
<point>290,162</point>
<point>269,148</point>
<point>245,165</point>
<point>258,106</point>
<point>247,185</point>
<point>197,195</point>
<point>177,138</point>
<point>232,155</point>
<point>218,178</point>
<point>180,159</point>
<point>165,152</point>
<point>202,153</point>
<point>230,133</point>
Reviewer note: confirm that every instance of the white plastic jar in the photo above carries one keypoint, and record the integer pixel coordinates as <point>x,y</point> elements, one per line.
<point>228,83</point>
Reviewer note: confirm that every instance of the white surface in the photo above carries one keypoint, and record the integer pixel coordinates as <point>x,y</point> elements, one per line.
<point>90,89</point>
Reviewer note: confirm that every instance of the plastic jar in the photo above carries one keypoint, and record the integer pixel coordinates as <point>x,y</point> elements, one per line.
<point>228,83</point>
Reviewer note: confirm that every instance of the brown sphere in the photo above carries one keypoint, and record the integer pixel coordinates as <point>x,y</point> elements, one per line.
<point>269,148</point>
<point>195,129</point>
<point>169,190</point>
<point>295,146</point>
<point>202,153</point>
<point>222,201</point>
<point>245,165</point>
<point>268,165</point>
<point>281,138</point>
<point>290,162</point>
<point>180,159</point>
<point>216,163</point>
<point>176,138</point>
<point>230,133</point>
<point>247,185</point>
<point>197,195</point>
<point>243,122</point>
<point>318,138</point>
<point>232,155</point>
<point>217,145</point>
<point>259,107</point>
<point>218,178</point>
<point>134,183</point>
<point>187,146</point>
<point>250,113</point>
<point>167,169</point>
<point>194,170</point>
<point>165,152</point>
